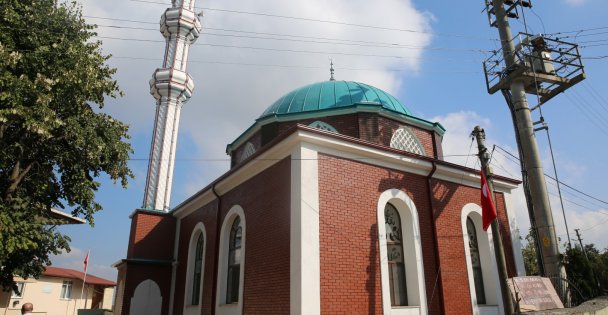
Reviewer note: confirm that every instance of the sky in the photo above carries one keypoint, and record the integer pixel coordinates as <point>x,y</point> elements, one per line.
<point>428,54</point>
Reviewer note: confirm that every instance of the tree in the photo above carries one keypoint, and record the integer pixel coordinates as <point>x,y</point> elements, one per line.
<point>586,269</point>
<point>55,142</point>
<point>530,256</point>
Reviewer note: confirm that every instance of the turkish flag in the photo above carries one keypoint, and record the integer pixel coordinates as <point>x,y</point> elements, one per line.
<point>86,262</point>
<point>488,211</point>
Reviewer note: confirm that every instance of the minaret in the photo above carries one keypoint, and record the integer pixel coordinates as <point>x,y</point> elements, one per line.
<point>172,86</point>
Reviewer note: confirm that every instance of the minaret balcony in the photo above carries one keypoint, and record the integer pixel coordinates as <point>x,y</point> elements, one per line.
<point>181,22</point>
<point>171,84</point>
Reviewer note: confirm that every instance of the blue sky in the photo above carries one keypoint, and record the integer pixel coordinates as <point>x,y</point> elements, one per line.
<point>243,62</point>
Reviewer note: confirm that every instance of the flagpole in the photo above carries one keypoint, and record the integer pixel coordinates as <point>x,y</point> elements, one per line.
<point>484,159</point>
<point>84,279</point>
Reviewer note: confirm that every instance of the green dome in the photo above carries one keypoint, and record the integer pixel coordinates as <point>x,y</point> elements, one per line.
<point>331,95</point>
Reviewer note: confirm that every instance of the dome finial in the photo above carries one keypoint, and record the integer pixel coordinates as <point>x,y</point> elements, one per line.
<point>331,70</point>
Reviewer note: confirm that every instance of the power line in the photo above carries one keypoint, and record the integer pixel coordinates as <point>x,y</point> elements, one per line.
<point>596,114</point>
<point>285,50</point>
<point>329,41</point>
<point>324,21</point>
<point>561,183</point>
<point>580,31</point>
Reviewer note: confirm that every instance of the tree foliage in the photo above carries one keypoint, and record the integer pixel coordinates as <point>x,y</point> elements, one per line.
<point>54,140</point>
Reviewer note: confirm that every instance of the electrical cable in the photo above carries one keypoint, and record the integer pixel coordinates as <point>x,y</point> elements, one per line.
<point>322,21</point>
<point>562,183</point>
<point>341,41</point>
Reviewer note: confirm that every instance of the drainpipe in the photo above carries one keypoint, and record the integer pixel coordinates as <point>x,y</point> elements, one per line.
<point>174,266</point>
<point>437,285</point>
<point>217,248</point>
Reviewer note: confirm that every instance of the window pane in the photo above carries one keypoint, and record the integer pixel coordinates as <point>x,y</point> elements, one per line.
<point>198,269</point>
<point>19,293</point>
<point>232,294</point>
<point>196,288</point>
<point>396,263</point>
<point>234,261</point>
<point>476,262</point>
<point>395,253</point>
<point>398,292</point>
<point>66,290</point>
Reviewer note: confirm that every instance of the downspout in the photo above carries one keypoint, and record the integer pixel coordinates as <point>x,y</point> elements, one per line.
<point>438,281</point>
<point>174,266</point>
<point>217,248</point>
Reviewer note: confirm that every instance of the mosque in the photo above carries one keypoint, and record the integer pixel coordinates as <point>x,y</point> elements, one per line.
<point>338,201</point>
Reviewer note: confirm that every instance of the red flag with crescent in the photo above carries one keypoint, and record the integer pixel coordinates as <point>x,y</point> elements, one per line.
<point>488,210</point>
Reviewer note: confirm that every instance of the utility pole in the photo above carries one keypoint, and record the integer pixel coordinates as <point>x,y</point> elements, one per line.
<point>580,241</point>
<point>516,83</point>
<point>594,278</point>
<point>484,158</point>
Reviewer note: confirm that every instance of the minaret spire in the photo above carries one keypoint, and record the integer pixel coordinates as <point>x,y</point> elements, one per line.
<point>171,86</point>
<point>331,70</point>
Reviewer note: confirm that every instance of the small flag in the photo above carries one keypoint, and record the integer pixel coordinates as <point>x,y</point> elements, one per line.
<point>488,211</point>
<point>86,262</point>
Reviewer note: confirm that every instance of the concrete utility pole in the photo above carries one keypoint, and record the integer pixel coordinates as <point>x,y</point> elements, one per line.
<point>551,258</point>
<point>580,241</point>
<point>499,252</point>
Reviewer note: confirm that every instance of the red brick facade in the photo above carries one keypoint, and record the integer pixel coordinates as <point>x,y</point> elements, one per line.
<point>350,262</point>
<point>265,199</point>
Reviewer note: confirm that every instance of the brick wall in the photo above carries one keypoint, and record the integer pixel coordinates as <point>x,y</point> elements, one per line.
<point>350,273</point>
<point>350,262</point>
<point>265,200</point>
<point>151,238</point>
<point>449,199</point>
<point>207,215</point>
<point>366,126</point>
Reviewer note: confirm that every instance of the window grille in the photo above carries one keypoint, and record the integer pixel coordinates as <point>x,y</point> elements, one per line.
<point>404,139</point>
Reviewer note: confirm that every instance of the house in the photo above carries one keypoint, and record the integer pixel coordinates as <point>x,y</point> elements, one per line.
<point>338,201</point>
<point>58,292</point>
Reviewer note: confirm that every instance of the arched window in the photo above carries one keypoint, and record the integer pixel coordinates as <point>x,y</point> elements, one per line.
<point>401,263</point>
<point>322,125</point>
<point>396,263</point>
<point>234,262</point>
<point>198,270</point>
<point>404,139</point>
<point>480,264</point>
<point>476,262</point>
<point>195,271</point>
<point>248,151</point>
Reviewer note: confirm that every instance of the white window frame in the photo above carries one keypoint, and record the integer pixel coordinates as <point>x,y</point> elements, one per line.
<point>64,285</point>
<point>323,126</point>
<point>221,307</point>
<point>199,229</point>
<point>488,263</point>
<point>416,288</point>
<point>21,288</point>
<point>412,144</point>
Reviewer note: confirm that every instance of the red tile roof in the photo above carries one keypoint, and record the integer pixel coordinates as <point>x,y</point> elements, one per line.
<point>75,274</point>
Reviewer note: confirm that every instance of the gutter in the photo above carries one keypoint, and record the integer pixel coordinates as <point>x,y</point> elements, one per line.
<point>217,248</point>
<point>438,280</point>
<point>174,266</point>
